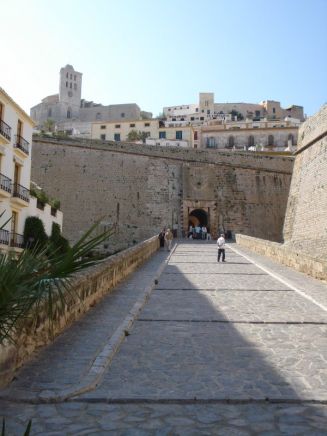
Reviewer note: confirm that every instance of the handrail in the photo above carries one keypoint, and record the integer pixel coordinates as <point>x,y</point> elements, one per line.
<point>22,144</point>
<point>5,183</point>
<point>5,130</point>
<point>21,192</point>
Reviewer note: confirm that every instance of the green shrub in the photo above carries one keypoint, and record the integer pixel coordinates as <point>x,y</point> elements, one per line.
<point>57,240</point>
<point>34,233</point>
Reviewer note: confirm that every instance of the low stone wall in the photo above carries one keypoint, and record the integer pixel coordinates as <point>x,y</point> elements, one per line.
<point>285,255</point>
<point>88,288</point>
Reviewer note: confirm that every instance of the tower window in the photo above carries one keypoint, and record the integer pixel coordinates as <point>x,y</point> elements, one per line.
<point>122,114</point>
<point>66,84</point>
<point>69,113</point>
<point>71,76</point>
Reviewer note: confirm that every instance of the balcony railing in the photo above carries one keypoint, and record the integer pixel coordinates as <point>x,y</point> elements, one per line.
<point>22,144</point>
<point>5,183</point>
<point>4,237</point>
<point>16,240</point>
<point>21,192</point>
<point>5,130</point>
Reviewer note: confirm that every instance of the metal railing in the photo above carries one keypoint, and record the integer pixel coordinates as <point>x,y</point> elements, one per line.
<point>16,240</point>
<point>4,237</point>
<point>22,144</point>
<point>5,183</point>
<point>5,130</point>
<point>20,192</point>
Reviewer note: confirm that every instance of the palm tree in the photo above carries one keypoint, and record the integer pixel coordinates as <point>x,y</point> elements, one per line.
<point>37,278</point>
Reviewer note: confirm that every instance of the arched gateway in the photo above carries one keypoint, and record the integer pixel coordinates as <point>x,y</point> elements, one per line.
<point>198,217</point>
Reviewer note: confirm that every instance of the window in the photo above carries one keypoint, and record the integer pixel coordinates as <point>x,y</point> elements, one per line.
<point>195,136</point>
<point>66,84</point>
<point>291,138</point>
<point>201,118</point>
<point>182,119</point>
<point>122,114</point>
<point>70,85</point>
<point>208,111</point>
<point>132,125</point>
<point>169,109</point>
<point>270,140</point>
<point>251,141</point>
<point>98,116</point>
<point>75,86</point>
<point>231,141</point>
<point>103,137</point>
<point>71,76</point>
<point>196,109</point>
<point>49,112</point>
<point>74,76</point>
<point>162,135</point>
<point>69,113</point>
<point>202,111</point>
<point>192,118</point>
<point>146,124</point>
<point>67,75</point>
<point>117,126</point>
<point>117,137</point>
<point>179,134</point>
<point>274,110</point>
<point>103,127</point>
<point>257,114</point>
<point>174,119</point>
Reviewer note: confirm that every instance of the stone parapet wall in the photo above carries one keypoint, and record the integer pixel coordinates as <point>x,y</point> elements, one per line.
<point>88,288</point>
<point>286,255</point>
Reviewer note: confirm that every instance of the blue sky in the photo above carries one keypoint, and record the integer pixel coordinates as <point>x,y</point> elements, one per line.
<point>161,53</point>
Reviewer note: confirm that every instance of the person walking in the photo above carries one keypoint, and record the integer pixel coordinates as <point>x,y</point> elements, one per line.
<point>221,247</point>
<point>168,239</point>
<point>162,238</point>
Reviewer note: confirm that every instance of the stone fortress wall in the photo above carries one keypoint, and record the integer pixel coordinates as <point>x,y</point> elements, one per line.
<point>143,188</point>
<point>306,217</point>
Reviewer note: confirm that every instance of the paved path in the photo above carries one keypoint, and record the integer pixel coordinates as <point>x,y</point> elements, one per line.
<point>233,348</point>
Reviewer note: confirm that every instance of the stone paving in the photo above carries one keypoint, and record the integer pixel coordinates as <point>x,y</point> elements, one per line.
<point>219,348</point>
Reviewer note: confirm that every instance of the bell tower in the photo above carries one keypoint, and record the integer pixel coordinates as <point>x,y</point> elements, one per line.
<point>70,90</point>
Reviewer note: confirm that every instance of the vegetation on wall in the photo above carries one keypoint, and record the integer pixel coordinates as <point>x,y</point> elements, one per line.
<point>42,197</point>
<point>40,279</point>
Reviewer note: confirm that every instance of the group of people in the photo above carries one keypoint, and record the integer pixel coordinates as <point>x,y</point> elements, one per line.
<point>165,238</point>
<point>198,232</point>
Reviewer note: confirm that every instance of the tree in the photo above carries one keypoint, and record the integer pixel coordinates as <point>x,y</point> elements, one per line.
<point>34,233</point>
<point>57,240</point>
<point>48,125</point>
<point>133,136</point>
<point>237,114</point>
<point>41,276</point>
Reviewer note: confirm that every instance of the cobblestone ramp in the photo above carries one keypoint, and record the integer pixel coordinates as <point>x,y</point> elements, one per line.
<point>219,348</point>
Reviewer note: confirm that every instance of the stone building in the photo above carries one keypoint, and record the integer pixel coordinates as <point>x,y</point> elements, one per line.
<point>206,110</point>
<point>16,202</point>
<point>72,113</point>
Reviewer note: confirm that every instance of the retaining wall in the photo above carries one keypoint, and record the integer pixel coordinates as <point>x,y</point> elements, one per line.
<point>88,287</point>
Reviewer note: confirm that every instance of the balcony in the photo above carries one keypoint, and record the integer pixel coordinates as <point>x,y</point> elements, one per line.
<point>5,133</point>
<point>5,186</point>
<point>21,144</point>
<point>16,240</point>
<point>4,237</point>
<point>20,194</point>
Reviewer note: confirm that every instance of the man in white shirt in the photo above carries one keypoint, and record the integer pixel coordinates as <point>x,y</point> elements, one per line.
<point>221,247</point>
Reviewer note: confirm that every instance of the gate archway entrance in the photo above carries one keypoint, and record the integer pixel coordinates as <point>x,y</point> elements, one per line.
<point>198,217</point>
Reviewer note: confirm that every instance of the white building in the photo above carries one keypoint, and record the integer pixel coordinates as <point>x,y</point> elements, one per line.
<point>16,203</point>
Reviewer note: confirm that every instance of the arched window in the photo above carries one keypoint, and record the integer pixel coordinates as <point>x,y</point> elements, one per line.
<point>291,138</point>
<point>231,141</point>
<point>69,113</point>
<point>251,141</point>
<point>271,140</point>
